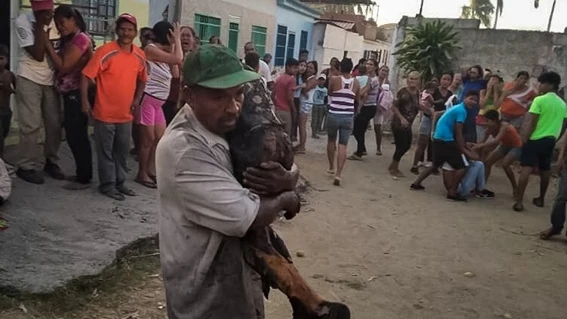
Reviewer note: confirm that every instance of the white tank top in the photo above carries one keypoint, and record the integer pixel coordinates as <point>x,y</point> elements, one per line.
<point>159,79</point>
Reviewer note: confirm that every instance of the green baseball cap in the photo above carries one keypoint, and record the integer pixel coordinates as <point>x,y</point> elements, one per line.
<point>217,67</point>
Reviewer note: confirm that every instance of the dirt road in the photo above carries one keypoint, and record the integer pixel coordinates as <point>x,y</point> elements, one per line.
<point>389,253</point>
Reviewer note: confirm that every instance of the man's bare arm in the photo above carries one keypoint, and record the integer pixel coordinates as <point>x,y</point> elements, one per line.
<point>272,207</point>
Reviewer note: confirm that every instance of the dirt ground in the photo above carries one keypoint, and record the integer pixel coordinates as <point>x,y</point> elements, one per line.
<point>384,250</point>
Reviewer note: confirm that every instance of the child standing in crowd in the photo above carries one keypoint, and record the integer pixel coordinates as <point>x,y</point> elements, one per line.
<point>426,103</point>
<point>542,129</point>
<point>383,116</point>
<point>319,107</point>
<point>7,88</point>
<point>508,142</point>
<point>300,84</point>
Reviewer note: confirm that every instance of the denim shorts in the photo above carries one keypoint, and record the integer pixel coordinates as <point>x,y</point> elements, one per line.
<point>340,124</point>
<point>306,107</point>
<point>425,126</point>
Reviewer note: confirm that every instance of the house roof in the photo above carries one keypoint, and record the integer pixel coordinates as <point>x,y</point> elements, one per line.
<point>299,7</point>
<point>347,25</point>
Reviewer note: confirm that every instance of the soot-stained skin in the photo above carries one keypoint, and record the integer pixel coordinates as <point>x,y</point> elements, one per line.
<point>260,137</point>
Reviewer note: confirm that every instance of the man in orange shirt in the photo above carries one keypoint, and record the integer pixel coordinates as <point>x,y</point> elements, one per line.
<point>119,69</point>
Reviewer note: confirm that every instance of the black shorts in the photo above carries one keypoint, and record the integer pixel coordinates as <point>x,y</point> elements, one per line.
<point>538,152</point>
<point>447,152</point>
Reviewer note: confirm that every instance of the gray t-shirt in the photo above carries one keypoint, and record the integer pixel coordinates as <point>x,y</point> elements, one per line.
<point>204,213</point>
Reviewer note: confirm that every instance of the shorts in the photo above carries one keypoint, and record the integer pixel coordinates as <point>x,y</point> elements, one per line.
<point>425,126</point>
<point>341,123</point>
<point>150,112</point>
<point>447,152</point>
<point>306,108</point>
<point>538,152</point>
<point>505,150</point>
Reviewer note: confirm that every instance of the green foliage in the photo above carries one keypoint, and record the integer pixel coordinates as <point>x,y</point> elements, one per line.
<point>428,48</point>
<point>479,9</point>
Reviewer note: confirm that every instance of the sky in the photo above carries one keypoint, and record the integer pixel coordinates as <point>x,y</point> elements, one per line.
<point>517,14</point>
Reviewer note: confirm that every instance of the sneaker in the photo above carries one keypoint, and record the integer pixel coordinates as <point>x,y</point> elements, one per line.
<point>54,171</point>
<point>30,176</point>
<point>485,193</point>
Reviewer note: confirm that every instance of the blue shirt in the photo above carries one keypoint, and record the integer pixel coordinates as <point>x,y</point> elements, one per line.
<point>470,122</point>
<point>319,94</point>
<point>445,129</point>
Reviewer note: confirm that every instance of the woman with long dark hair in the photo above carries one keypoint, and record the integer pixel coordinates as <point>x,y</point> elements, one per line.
<point>75,51</point>
<point>382,116</point>
<point>163,53</point>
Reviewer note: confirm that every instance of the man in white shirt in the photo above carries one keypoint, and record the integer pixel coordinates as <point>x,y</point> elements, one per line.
<point>264,69</point>
<point>37,100</point>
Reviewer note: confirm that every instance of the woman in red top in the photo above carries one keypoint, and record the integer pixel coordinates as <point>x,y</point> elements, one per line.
<point>516,99</point>
<point>509,144</point>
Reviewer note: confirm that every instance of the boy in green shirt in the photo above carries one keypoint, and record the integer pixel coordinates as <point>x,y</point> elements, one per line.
<point>541,130</point>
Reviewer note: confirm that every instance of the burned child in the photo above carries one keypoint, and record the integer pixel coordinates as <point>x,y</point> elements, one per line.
<point>259,137</point>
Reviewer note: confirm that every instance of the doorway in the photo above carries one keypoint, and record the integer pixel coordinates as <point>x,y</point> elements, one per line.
<point>5,22</point>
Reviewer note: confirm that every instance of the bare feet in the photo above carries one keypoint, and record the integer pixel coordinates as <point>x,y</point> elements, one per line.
<point>548,233</point>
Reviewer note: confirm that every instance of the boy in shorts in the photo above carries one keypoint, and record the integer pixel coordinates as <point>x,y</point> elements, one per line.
<point>509,144</point>
<point>543,126</point>
<point>449,147</point>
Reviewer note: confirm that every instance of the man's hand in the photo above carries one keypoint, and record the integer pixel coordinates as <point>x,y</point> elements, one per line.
<point>404,122</point>
<point>270,178</point>
<point>472,155</point>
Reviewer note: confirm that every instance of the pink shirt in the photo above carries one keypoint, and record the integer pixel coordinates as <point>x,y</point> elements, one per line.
<point>284,86</point>
<point>72,80</point>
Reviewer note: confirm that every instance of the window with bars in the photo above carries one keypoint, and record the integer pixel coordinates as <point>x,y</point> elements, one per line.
<point>259,35</point>
<point>206,27</point>
<point>303,40</point>
<point>290,52</point>
<point>233,36</point>
<point>99,15</point>
<point>281,39</point>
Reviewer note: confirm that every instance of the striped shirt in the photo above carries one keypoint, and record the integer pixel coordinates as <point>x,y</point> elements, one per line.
<point>373,90</point>
<point>159,79</point>
<point>342,101</point>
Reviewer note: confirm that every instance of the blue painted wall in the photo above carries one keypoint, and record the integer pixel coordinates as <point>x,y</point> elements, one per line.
<point>295,22</point>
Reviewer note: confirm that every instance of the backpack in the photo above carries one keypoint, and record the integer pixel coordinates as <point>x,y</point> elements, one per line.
<point>385,100</point>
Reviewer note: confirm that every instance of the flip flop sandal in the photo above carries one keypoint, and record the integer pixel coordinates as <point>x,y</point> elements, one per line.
<point>115,195</point>
<point>337,181</point>
<point>547,234</point>
<point>126,191</point>
<point>331,171</point>
<point>354,157</point>
<point>147,184</point>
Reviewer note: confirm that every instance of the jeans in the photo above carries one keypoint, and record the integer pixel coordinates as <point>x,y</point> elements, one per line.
<point>402,139</point>
<point>339,125</point>
<point>361,125</point>
<point>317,114</point>
<point>474,178</point>
<point>558,210</point>
<point>112,146</point>
<point>76,124</point>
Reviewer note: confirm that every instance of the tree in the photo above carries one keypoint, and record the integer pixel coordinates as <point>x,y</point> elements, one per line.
<point>536,5</point>
<point>499,8</point>
<point>428,48</point>
<point>479,9</point>
<point>421,9</point>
